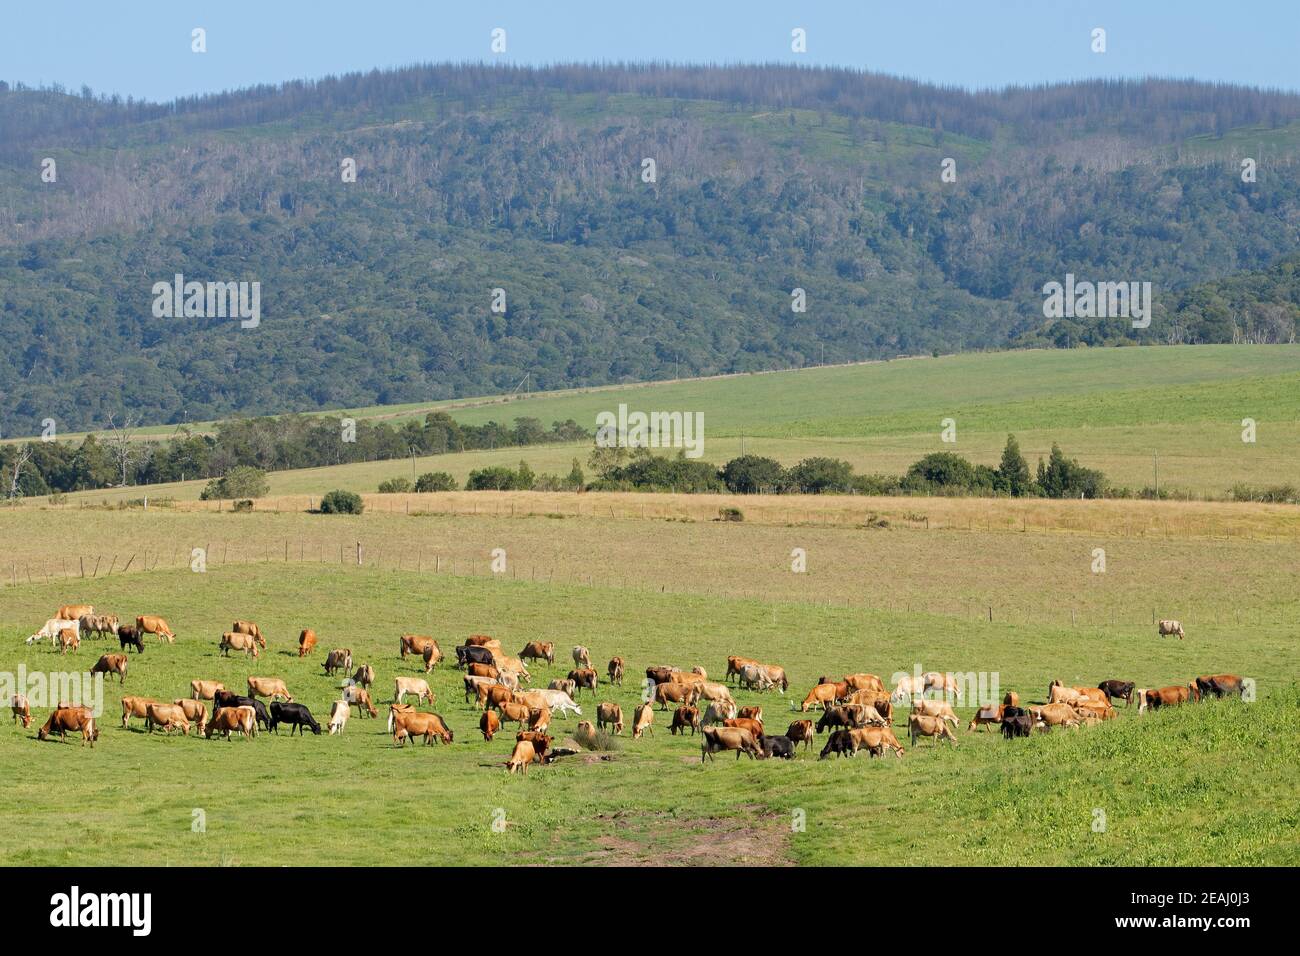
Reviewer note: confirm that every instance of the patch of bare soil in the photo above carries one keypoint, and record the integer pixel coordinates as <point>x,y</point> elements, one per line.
<point>660,839</point>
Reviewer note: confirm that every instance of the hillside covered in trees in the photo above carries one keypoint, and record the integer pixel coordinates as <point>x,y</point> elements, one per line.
<point>766,180</point>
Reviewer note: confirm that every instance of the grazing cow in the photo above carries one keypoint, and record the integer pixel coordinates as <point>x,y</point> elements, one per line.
<point>1019,726</point>
<point>1117,689</point>
<point>564,684</point>
<point>581,657</point>
<point>68,640</point>
<point>755,712</point>
<point>340,711</point>
<point>412,685</point>
<point>755,676</point>
<point>394,710</point>
<point>493,695</point>
<point>674,693</point>
<point>339,659</point>
<point>473,655</point>
<point>414,644</point>
<point>985,716</point>
<point>251,629</point>
<point>432,655</point>
<point>52,628</point>
<point>1220,685</point>
<point>1096,710</point>
<point>1167,628</point>
<point>717,712</point>
<point>610,715</point>
<point>924,725</point>
<point>295,715</point>
<point>841,743</point>
<point>516,711</point>
<point>538,651</point>
<point>523,754</point>
<point>472,685</point>
<point>513,668</point>
<point>136,707</point>
<point>782,747</point>
<point>801,730</point>
<point>539,719</point>
<point>683,717</point>
<point>489,724</point>
<point>230,641</point>
<point>1056,715</point>
<point>908,687</point>
<point>837,717</point>
<point>483,670</point>
<point>584,677</point>
<point>776,674</point>
<point>354,695</point>
<point>541,742</point>
<point>1011,699</point>
<point>194,711</point>
<point>365,675</point>
<point>129,636</point>
<point>718,692</point>
<point>643,719</point>
<point>418,724</point>
<point>734,664</point>
<point>205,689</point>
<point>111,664</point>
<point>661,675</point>
<point>738,739</point>
<point>240,720</point>
<point>268,687</point>
<point>755,727</point>
<point>225,700</point>
<point>554,699</point>
<point>616,671</point>
<point>946,683</point>
<point>935,708</point>
<point>153,624</point>
<point>306,642</point>
<point>67,719</point>
<point>74,612</point>
<point>1170,696</point>
<point>823,694</point>
<point>167,716</point>
<point>99,625</point>
<point>875,740</point>
<point>22,710</point>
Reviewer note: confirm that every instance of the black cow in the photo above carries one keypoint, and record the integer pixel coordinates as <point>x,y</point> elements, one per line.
<point>128,636</point>
<point>1117,689</point>
<point>1019,726</point>
<point>837,717</point>
<point>473,655</point>
<point>1010,711</point>
<point>840,742</point>
<point>295,715</point>
<point>225,698</point>
<point>778,747</point>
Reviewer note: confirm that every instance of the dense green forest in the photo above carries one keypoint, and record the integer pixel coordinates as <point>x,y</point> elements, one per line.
<point>767,180</point>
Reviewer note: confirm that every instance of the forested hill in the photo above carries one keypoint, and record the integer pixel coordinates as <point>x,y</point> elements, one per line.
<point>767,179</point>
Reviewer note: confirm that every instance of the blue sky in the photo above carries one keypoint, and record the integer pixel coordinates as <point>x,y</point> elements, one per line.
<point>142,47</point>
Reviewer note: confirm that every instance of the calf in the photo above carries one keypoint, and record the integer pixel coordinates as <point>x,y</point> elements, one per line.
<point>841,743</point>
<point>489,724</point>
<point>616,671</point>
<point>683,717</point>
<point>295,715</point>
<point>643,719</point>
<point>340,711</point>
<point>21,709</point>
<point>69,640</point>
<point>985,716</point>
<point>1020,726</point>
<point>875,739</point>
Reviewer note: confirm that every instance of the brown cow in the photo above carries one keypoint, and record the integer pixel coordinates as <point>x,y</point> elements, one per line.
<point>875,739</point>
<point>660,675</point>
<point>643,719</point>
<point>412,685</point>
<point>166,716</point>
<point>581,658</point>
<point>241,720</point>
<point>924,725</point>
<point>251,629</point>
<point>489,724</point>
<point>935,708</point>
<point>865,682</point>
<point>522,756</point>
<point>539,718</point>
<point>985,716</point>
<point>111,664</point>
<point>611,715</point>
<point>755,727</point>
<point>365,675</point>
<point>1012,699</point>
<point>153,624</point>
<point>584,677</point>
<point>517,711</point>
<point>674,693</point>
<point>194,711</point>
<point>339,659</point>
<point>683,717</point>
<point>738,739</point>
<point>482,670</point>
<point>75,612</point>
<point>419,724</point>
<point>21,708</point>
<point>415,644</point>
<point>136,707</point>
<point>756,713</point>
<point>616,671</point>
<point>268,687</point>
<point>494,695</point>
<point>354,695</point>
<point>1056,715</point>
<point>205,689</point>
<point>824,694</point>
<point>230,641</point>
<point>801,730</point>
<point>541,742</point>
<point>306,642</point>
<point>1170,696</point>
<point>734,664</point>
<point>68,640</point>
<point>67,719</point>
<point>538,651</point>
<point>432,655</point>
<point>480,640</point>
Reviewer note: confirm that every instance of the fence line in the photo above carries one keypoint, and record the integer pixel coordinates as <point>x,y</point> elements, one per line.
<point>418,561</point>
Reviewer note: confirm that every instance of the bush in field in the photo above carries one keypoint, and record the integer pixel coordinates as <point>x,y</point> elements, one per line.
<point>341,503</point>
<point>1064,477</point>
<point>819,476</point>
<point>435,481</point>
<point>395,486</point>
<point>242,482</point>
<point>752,475</point>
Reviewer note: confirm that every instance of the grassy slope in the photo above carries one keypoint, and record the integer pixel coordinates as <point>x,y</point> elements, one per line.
<point>1208,783</point>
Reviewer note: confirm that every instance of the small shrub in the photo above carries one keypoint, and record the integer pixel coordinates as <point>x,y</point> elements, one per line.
<point>435,481</point>
<point>341,503</point>
<point>395,486</point>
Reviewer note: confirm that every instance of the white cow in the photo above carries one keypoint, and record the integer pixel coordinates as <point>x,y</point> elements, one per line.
<point>1171,627</point>
<point>339,712</point>
<point>412,685</point>
<point>52,628</point>
<point>554,699</point>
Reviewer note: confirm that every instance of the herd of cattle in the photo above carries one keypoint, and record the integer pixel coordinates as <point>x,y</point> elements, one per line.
<point>857,711</point>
